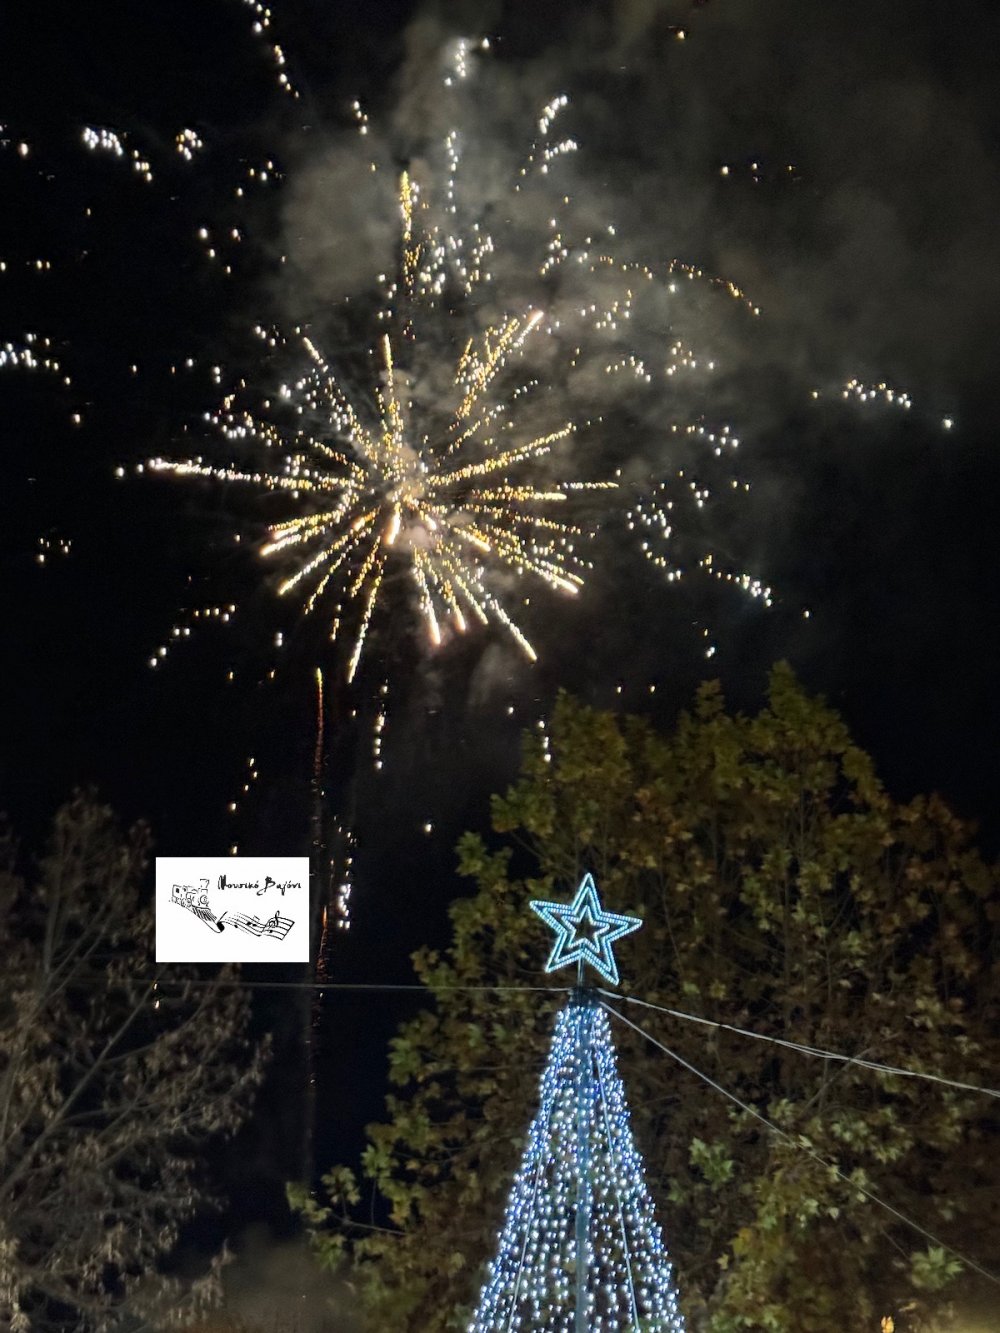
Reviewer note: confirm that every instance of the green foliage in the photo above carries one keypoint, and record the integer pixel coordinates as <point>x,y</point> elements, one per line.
<point>783,890</point>
<point>933,1269</point>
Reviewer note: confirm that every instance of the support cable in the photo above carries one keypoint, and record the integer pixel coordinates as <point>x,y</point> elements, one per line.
<point>817,1051</point>
<point>829,1166</point>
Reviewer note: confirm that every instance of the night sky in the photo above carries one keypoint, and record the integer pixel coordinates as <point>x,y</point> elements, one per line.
<point>836,160</point>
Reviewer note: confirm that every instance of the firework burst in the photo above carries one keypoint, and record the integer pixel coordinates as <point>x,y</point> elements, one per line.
<point>513,387</point>
<point>474,455</point>
<point>372,485</point>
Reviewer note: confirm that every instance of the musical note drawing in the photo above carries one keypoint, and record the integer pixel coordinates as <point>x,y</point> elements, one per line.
<point>276,927</point>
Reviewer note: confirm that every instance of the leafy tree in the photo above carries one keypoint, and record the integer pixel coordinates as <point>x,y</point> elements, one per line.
<point>784,891</point>
<point>111,1084</point>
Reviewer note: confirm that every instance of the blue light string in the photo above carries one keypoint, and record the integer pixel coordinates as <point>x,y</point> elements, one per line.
<point>530,1283</point>
<point>524,1247</point>
<point>621,1213</point>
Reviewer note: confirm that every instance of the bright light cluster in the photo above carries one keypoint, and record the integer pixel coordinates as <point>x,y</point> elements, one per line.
<point>581,1157</point>
<point>30,354</point>
<point>458,466</point>
<point>101,139</point>
<point>455,495</point>
<point>881,393</point>
<point>261,28</point>
<point>449,508</point>
<point>655,516</point>
<point>182,629</point>
<point>378,726</point>
<point>342,876</point>
<point>52,546</point>
<point>187,143</point>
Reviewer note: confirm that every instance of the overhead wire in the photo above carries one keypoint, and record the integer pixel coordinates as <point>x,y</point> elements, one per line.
<point>816,1157</point>
<point>896,1070</point>
<point>348,985</point>
<point>818,1052</point>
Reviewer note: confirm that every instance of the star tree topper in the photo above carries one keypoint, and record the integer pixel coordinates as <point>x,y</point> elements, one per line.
<point>585,932</point>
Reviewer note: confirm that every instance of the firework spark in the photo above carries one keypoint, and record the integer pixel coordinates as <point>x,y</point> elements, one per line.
<point>507,392</point>
<point>452,508</point>
<point>517,368</point>
<point>466,484</point>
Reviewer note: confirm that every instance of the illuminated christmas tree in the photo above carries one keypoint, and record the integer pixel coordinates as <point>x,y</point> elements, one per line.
<point>580,1250</point>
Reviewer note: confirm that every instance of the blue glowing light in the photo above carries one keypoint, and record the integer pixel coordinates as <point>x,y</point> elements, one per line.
<point>580,1246</point>
<point>585,932</point>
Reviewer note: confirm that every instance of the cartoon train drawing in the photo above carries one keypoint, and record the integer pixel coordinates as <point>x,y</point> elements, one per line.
<point>196,901</point>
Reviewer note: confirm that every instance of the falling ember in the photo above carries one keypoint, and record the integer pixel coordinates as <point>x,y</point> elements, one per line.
<point>318,752</point>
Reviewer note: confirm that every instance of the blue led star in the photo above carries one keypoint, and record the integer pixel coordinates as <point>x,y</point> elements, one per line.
<point>584,931</point>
